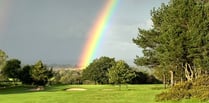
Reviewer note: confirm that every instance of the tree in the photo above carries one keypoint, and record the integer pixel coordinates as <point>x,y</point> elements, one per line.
<point>25,75</point>
<point>97,71</point>
<point>120,73</point>
<point>179,39</point>
<point>3,57</point>
<point>68,76</point>
<point>75,77</point>
<point>12,68</point>
<point>41,74</point>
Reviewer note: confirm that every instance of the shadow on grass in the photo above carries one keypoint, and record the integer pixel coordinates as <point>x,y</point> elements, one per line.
<point>28,89</point>
<point>15,90</point>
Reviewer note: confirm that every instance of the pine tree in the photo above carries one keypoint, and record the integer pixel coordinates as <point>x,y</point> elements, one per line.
<point>179,39</point>
<point>40,74</point>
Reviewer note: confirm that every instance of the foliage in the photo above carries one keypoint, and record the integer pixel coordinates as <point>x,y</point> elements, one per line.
<point>25,75</point>
<point>178,43</point>
<point>68,77</point>
<point>142,77</point>
<point>37,74</point>
<point>178,92</point>
<point>178,40</point>
<point>3,57</point>
<point>120,73</point>
<point>97,71</point>
<point>40,73</point>
<point>12,68</point>
<point>186,90</point>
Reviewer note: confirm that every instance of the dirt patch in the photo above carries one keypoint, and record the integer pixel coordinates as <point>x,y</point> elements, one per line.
<point>76,89</point>
<point>39,88</point>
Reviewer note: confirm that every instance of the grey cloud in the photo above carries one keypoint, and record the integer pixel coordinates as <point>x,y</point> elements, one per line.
<point>56,30</point>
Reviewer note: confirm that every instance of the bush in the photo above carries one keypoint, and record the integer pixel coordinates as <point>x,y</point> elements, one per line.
<point>202,81</point>
<point>199,88</point>
<point>178,92</point>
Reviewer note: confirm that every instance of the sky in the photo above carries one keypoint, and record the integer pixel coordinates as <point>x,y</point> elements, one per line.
<point>55,31</point>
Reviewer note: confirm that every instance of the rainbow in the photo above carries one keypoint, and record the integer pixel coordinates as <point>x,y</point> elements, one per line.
<point>96,33</point>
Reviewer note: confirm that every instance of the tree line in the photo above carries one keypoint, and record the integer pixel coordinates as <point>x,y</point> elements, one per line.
<point>37,74</point>
<point>103,70</point>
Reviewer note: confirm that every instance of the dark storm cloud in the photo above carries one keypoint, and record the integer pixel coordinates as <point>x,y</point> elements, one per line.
<point>55,31</point>
<point>49,29</point>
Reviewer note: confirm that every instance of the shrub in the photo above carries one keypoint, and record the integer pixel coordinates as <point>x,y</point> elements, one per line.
<point>202,81</point>
<point>199,88</point>
<point>178,92</point>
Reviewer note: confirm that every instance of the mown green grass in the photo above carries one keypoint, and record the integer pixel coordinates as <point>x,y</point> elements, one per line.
<point>93,94</point>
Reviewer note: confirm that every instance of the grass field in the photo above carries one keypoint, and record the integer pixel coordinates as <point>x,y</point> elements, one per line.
<point>92,94</point>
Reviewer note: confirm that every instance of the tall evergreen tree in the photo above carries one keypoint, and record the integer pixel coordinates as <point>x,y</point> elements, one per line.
<point>179,39</point>
<point>40,74</point>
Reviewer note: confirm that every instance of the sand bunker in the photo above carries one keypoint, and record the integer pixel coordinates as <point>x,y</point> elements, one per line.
<point>76,89</point>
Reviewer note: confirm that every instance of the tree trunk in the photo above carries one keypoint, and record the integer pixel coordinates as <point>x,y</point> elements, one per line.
<point>164,80</point>
<point>172,79</point>
<point>181,80</point>
<point>120,87</point>
<point>126,86</point>
<point>189,72</point>
<point>197,72</point>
